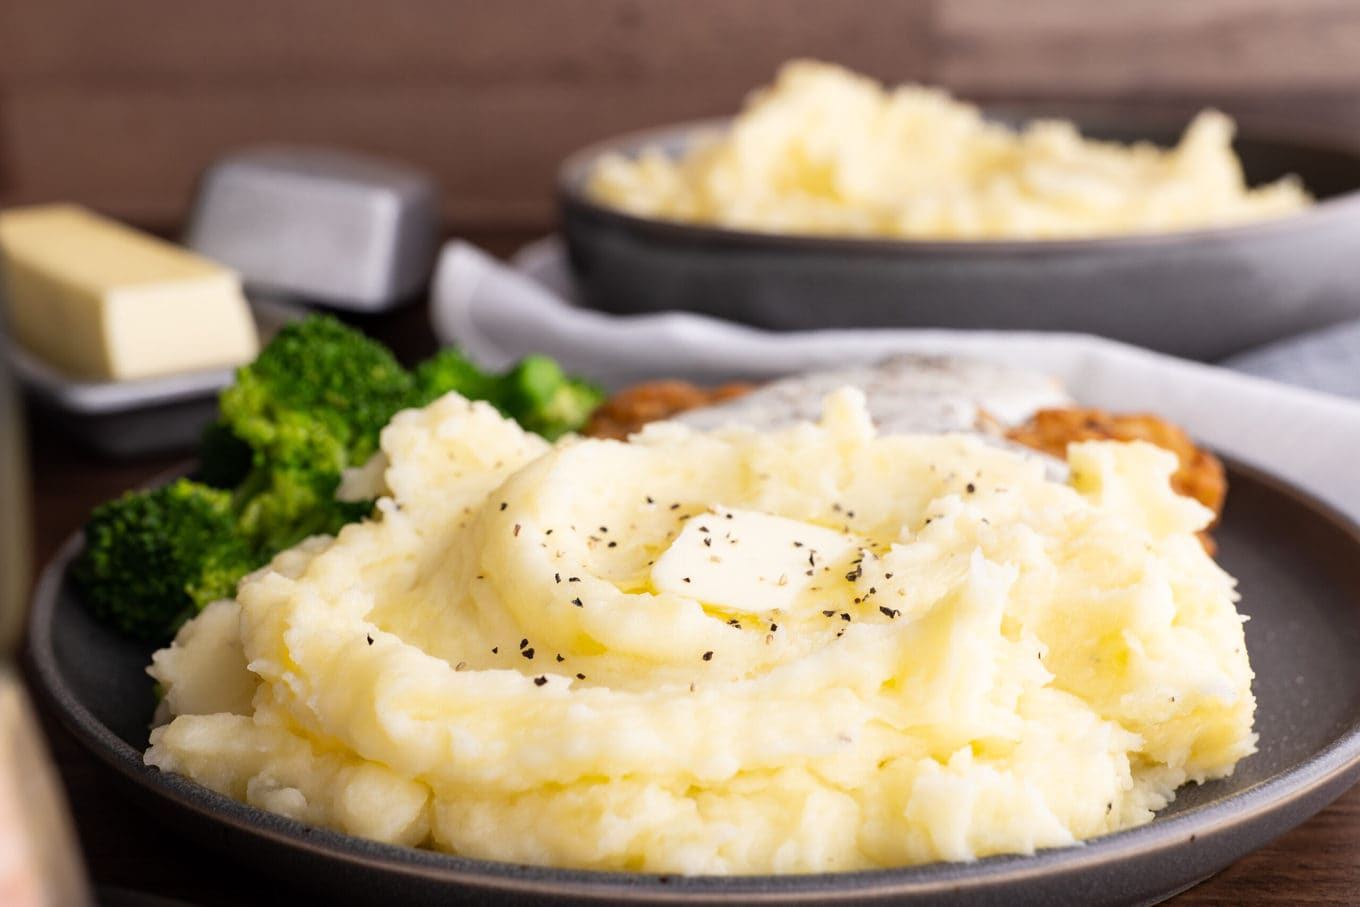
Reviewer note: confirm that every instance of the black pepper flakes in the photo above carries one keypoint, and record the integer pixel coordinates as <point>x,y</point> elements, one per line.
<point>774,628</point>
<point>516,530</point>
<point>577,603</point>
<point>649,500</point>
<point>890,613</point>
<point>829,613</point>
<point>845,616</point>
<point>370,638</point>
<point>495,650</point>
<point>613,544</point>
<point>685,579</point>
<point>675,506</point>
<point>528,653</point>
<point>580,677</point>
<point>708,656</point>
<point>559,657</point>
<point>557,577</point>
<point>540,680</point>
<point>523,643</point>
<point>573,579</point>
<point>970,488</point>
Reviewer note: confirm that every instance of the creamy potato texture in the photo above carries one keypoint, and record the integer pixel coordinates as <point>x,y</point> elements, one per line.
<point>825,151</point>
<point>803,650</point>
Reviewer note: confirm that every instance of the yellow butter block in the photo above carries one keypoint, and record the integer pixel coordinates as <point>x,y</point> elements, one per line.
<point>100,300</point>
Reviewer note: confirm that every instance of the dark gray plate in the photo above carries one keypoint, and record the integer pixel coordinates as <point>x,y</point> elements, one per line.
<point>1299,566</point>
<point>1201,294</point>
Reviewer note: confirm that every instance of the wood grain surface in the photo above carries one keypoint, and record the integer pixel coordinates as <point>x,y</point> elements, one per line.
<point>121,105</point>
<point>1316,864</point>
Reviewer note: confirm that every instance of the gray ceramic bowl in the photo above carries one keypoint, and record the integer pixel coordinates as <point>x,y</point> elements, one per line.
<point>1203,294</point>
<point>1298,564</point>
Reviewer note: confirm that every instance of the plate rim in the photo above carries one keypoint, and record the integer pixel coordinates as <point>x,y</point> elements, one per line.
<point>1320,778</point>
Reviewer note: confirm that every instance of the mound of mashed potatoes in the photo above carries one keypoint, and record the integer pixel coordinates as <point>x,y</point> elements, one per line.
<point>808,649</point>
<point>826,151</point>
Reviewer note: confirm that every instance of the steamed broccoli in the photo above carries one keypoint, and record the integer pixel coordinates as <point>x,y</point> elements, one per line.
<point>312,405</point>
<point>449,370</point>
<point>317,375</point>
<point>153,559</point>
<point>537,395</point>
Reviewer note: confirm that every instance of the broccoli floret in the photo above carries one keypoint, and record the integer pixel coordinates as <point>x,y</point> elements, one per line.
<point>324,373</point>
<point>153,559</point>
<point>291,494</point>
<point>538,395</point>
<point>311,405</point>
<point>535,393</point>
<point>449,370</point>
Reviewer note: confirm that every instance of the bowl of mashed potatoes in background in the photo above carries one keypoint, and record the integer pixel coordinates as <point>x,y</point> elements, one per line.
<point>833,202</point>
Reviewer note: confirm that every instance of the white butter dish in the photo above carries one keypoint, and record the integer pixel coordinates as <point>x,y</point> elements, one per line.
<point>124,419</point>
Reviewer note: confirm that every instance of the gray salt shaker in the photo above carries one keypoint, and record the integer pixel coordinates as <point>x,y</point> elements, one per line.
<point>319,226</point>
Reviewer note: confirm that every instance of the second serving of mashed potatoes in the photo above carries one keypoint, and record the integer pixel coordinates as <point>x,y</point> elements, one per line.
<point>825,151</point>
<point>800,650</point>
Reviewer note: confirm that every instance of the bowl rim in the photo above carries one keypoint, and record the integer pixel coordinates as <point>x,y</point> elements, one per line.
<point>573,200</point>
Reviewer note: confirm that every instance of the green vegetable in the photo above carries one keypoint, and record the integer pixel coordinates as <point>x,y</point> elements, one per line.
<point>153,559</point>
<point>317,375</point>
<point>312,405</point>
<point>540,397</point>
<point>449,370</point>
<point>535,393</point>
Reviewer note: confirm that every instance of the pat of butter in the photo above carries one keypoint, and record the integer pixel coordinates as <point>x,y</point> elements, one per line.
<point>100,300</point>
<point>749,562</point>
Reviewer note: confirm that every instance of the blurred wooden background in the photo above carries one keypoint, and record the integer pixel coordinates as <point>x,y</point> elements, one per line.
<point>120,105</point>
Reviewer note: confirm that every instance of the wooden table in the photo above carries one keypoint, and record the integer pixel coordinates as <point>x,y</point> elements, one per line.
<point>1317,863</point>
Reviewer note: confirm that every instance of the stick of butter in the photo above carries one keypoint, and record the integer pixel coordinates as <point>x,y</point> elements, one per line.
<point>99,300</point>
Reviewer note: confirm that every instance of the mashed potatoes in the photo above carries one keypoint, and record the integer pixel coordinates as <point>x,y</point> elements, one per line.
<point>802,650</point>
<point>824,151</point>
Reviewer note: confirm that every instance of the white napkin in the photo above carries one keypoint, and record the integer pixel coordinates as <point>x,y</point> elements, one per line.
<point>498,313</point>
